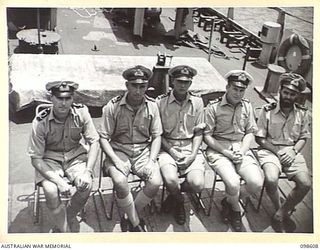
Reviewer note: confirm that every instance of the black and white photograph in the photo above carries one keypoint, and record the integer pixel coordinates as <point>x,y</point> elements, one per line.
<point>160,119</point>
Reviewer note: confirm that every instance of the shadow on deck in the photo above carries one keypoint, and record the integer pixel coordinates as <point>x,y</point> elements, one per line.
<point>21,220</point>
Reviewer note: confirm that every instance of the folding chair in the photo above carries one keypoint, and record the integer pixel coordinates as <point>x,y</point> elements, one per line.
<point>282,176</point>
<point>37,187</point>
<point>198,196</point>
<point>132,178</point>
<point>219,179</point>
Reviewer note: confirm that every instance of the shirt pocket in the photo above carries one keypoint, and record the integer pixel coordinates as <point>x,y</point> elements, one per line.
<point>75,133</point>
<point>275,130</point>
<point>144,126</point>
<point>190,122</point>
<point>295,132</point>
<point>169,123</point>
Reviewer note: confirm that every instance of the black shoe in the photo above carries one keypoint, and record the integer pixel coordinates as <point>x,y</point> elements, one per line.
<point>235,220</point>
<point>124,224</point>
<point>180,213</point>
<point>225,212</point>
<point>277,225</point>
<point>169,204</point>
<point>140,228</point>
<point>289,225</point>
<point>55,229</point>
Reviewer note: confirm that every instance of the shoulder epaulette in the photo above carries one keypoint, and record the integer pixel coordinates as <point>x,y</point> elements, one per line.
<point>116,99</point>
<point>299,106</point>
<point>194,94</point>
<point>245,100</point>
<point>270,106</point>
<point>43,114</point>
<point>163,95</point>
<point>77,105</point>
<point>219,99</point>
<point>150,98</point>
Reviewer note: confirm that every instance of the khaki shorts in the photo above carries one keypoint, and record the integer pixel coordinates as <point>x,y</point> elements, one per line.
<point>69,170</point>
<point>135,164</point>
<point>218,162</point>
<point>298,165</point>
<point>197,164</point>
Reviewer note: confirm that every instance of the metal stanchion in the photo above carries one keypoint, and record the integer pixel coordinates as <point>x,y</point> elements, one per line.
<point>210,40</point>
<point>40,49</point>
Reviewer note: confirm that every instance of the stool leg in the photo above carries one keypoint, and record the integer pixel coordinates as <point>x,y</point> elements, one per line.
<point>211,196</point>
<point>162,196</point>
<point>36,206</point>
<point>260,198</point>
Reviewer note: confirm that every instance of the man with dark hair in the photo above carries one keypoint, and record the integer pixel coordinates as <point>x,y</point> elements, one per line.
<point>229,132</point>
<point>56,152</point>
<point>283,129</point>
<point>130,135</point>
<point>182,119</point>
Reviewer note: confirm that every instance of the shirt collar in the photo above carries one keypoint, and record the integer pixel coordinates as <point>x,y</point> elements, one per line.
<point>277,109</point>
<point>224,101</point>
<point>52,117</point>
<point>123,100</point>
<point>172,98</point>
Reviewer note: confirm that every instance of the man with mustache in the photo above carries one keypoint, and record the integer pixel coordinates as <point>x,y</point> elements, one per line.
<point>283,129</point>
<point>229,132</point>
<point>130,135</point>
<point>56,152</point>
<point>182,119</point>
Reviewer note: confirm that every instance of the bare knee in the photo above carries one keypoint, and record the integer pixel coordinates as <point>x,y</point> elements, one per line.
<point>121,186</point>
<point>254,186</point>
<point>303,183</point>
<point>51,193</point>
<point>196,184</point>
<point>153,184</point>
<point>232,187</point>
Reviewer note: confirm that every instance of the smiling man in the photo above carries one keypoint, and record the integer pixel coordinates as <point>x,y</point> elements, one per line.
<point>229,132</point>
<point>283,129</point>
<point>130,135</point>
<point>182,117</point>
<point>56,152</point>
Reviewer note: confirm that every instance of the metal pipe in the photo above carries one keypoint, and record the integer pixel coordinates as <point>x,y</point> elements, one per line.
<point>210,40</point>
<point>40,49</point>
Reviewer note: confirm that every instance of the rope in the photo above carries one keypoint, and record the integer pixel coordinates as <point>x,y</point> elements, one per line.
<point>289,14</point>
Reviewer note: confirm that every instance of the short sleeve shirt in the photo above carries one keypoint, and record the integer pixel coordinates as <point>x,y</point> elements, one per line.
<point>281,130</point>
<point>128,131</point>
<point>180,119</point>
<point>60,141</point>
<point>228,123</point>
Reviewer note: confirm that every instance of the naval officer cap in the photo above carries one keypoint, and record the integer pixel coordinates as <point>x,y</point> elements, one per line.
<point>62,88</point>
<point>293,81</point>
<point>137,74</point>
<point>239,78</point>
<point>182,72</point>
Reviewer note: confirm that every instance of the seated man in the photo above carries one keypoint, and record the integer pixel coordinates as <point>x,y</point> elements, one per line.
<point>229,133</point>
<point>182,117</point>
<point>283,129</point>
<point>130,135</point>
<point>56,152</point>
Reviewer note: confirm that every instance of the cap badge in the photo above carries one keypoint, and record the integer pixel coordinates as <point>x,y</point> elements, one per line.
<point>185,71</point>
<point>138,73</point>
<point>242,77</point>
